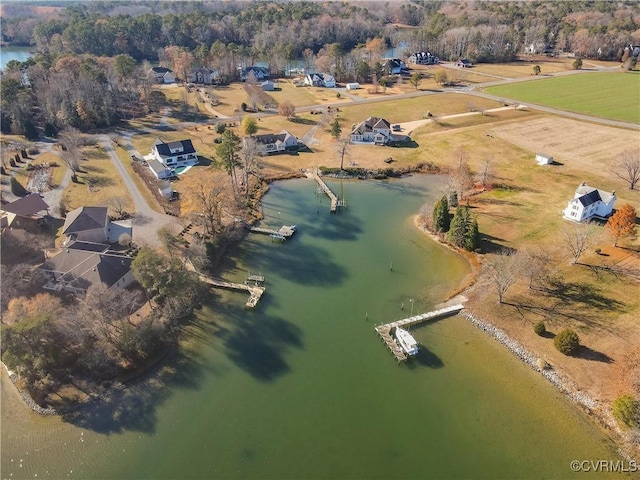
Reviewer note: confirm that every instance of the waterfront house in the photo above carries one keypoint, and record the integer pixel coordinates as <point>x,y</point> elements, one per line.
<point>83,264</point>
<point>27,213</point>
<point>320,80</point>
<point>260,73</point>
<point>373,130</point>
<point>589,202</point>
<point>162,75</point>
<point>276,143</point>
<point>174,154</point>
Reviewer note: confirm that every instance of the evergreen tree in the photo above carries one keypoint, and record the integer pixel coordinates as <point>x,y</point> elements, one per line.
<point>335,129</point>
<point>458,229</point>
<point>472,236</point>
<point>441,220</point>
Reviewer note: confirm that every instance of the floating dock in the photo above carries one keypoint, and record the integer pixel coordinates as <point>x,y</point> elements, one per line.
<point>385,330</point>
<point>283,233</point>
<point>335,203</point>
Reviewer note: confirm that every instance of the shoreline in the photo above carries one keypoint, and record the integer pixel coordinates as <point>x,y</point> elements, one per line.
<point>592,407</point>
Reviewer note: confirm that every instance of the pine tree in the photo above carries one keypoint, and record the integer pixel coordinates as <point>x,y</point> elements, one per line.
<point>458,229</point>
<point>335,129</point>
<point>472,236</point>
<point>441,220</point>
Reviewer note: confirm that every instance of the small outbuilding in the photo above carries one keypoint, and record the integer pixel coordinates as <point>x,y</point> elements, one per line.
<point>268,86</point>
<point>353,86</point>
<point>542,159</point>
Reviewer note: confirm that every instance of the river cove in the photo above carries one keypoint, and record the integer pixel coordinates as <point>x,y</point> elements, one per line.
<point>302,387</point>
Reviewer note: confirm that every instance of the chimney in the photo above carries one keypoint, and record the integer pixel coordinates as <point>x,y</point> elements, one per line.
<point>583,184</point>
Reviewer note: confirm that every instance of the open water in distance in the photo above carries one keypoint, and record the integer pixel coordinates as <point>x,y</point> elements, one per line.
<point>14,53</point>
<point>302,387</point>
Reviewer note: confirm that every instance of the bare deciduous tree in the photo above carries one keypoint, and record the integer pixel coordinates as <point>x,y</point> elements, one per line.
<point>461,179</point>
<point>249,153</point>
<point>577,239</point>
<point>628,167</point>
<point>71,140</point>
<point>118,205</point>
<point>287,109</point>
<point>342,147</point>
<point>502,271</point>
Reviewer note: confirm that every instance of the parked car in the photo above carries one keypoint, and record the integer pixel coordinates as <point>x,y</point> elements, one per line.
<point>396,128</point>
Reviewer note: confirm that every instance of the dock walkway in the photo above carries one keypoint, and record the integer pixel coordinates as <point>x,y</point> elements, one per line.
<point>385,330</point>
<point>325,188</point>
<point>255,291</point>
<point>283,233</point>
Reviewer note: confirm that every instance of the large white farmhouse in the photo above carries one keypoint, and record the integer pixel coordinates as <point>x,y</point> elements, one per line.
<point>589,202</point>
<point>372,130</point>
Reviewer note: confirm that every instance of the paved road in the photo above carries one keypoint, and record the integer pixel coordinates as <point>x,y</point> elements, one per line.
<point>146,221</point>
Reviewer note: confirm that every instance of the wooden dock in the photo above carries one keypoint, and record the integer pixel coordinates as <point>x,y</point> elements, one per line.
<point>335,203</point>
<point>283,233</point>
<point>385,330</point>
<point>255,291</point>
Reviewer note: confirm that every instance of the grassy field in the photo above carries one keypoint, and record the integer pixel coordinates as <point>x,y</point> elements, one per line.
<point>613,95</point>
<point>97,183</point>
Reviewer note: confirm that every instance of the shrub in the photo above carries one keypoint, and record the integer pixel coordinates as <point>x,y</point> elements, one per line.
<point>567,342</point>
<point>338,95</point>
<point>220,128</point>
<point>540,328</point>
<point>243,107</point>
<point>626,410</point>
<point>33,151</point>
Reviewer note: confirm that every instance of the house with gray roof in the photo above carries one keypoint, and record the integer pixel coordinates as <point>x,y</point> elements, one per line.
<point>92,224</point>
<point>76,269</point>
<point>162,75</point>
<point>275,143</point>
<point>373,130</point>
<point>589,202</point>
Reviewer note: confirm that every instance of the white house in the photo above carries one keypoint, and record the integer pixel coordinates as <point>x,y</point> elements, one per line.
<point>174,154</point>
<point>320,80</point>
<point>162,75</point>
<point>259,73</point>
<point>394,66</point>
<point>542,159</point>
<point>275,143</point>
<point>423,58</point>
<point>589,202</point>
<point>372,130</point>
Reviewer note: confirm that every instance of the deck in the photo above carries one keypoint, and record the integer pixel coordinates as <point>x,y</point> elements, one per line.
<point>283,233</point>
<point>385,330</point>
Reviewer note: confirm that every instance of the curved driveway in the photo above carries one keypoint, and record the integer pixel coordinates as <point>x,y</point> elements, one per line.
<point>146,221</point>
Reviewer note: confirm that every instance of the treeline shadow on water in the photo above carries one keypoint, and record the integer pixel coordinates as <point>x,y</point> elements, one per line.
<point>134,407</point>
<point>257,342</point>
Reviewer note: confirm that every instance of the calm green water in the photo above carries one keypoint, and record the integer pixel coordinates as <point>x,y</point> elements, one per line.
<point>303,388</point>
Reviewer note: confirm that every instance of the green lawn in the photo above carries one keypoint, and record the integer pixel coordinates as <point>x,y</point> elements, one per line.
<point>613,95</point>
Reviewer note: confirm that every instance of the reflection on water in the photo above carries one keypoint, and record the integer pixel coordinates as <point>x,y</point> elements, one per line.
<point>303,388</point>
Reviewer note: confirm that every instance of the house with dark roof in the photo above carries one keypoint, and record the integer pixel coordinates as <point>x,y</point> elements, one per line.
<point>76,269</point>
<point>320,80</point>
<point>27,213</point>
<point>395,66</point>
<point>589,202</point>
<point>275,143</point>
<point>423,58</point>
<point>162,75</point>
<point>92,224</point>
<point>174,154</point>
<point>204,75</point>
<point>260,73</point>
<point>373,130</point>
<point>463,63</point>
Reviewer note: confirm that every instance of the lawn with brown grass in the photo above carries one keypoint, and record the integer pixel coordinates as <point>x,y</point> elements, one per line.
<point>97,183</point>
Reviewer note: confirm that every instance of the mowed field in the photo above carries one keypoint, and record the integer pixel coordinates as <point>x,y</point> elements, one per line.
<point>613,95</point>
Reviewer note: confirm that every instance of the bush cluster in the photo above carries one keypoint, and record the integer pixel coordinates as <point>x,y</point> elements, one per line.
<point>567,342</point>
